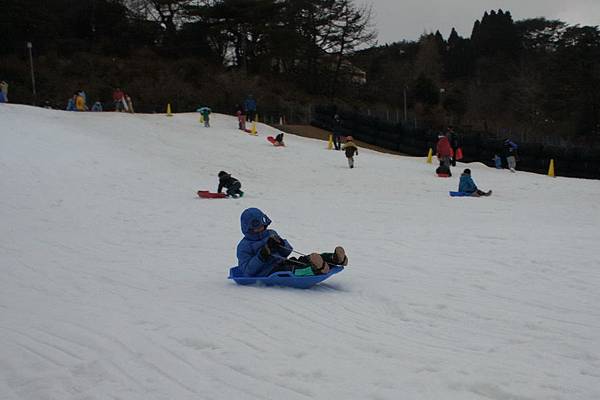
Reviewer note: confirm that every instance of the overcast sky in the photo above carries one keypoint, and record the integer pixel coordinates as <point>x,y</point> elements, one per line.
<point>397,20</point>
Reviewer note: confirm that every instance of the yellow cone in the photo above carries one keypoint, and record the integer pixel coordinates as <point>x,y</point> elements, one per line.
<point>330,144</point>
<point>253,130</point>
<point>201,119</point>
<point>169,110</point>
<point>429,155</point>
<point>551,168</point>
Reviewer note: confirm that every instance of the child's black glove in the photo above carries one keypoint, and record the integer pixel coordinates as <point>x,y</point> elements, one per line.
<point>264,252</point>
<point>274,241</point>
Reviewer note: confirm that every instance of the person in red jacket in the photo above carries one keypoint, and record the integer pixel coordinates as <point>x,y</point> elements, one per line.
<point>444,152</point>
<point>118,97</point>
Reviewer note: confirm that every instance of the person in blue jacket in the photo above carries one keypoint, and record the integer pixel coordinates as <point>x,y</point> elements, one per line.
<point>467,185</point>
<point>250,107</point>
<point>262,251</point>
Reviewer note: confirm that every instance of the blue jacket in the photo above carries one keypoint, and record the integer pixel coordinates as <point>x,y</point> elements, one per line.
<point>250,104</point>
<point>249,260</point>
<point>466,184</point>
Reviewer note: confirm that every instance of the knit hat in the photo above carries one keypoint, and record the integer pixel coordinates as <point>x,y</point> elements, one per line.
<point>467,171</point>
<point>222,174</point>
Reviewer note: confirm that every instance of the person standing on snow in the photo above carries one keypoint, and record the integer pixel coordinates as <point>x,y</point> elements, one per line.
<point>241,116</point>
<point>337,132</point>
<point>444,152</point>
<point>454,144</point>
<point>250,106</point>
<point>4,91</point>
<point>205,112</point>
<point>262,251</point>
<point>118,97</point>
<point>510,152</point>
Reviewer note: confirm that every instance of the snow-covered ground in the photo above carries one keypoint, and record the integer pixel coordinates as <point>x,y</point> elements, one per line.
<point>113,272</point>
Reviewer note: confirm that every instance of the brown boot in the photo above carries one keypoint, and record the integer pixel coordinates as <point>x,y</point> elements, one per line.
<point>319,266</point>
<point>339,256</point>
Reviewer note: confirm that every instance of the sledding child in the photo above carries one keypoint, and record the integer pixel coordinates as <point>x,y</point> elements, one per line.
<point>262,251</point>
<point>350,149</point>
<point>279,140</point>
<point>232,185</point>
<point>467,185</point>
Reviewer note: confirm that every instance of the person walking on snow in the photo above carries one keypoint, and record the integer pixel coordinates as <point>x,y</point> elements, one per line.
<point>350,149</point>
<point>467,185</point>
<point>232,185</point>
<point>262,251</point>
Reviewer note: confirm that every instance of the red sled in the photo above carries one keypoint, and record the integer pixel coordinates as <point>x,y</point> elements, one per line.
<point>274,142</point>
<point>442,175</point>
<point>206,194</point>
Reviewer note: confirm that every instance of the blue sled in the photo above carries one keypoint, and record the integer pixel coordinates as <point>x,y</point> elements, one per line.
<point>283,278</point>
<point>460,194</point>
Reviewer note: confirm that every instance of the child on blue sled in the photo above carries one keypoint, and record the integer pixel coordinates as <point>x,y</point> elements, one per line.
<point>262,252</point>
<point>467,185</point>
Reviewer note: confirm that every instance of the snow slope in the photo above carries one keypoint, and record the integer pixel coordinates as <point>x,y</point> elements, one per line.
<point>113,273</point>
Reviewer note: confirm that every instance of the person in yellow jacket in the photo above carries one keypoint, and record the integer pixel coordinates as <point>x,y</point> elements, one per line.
<point>350,149</point>
<point>79,102</point>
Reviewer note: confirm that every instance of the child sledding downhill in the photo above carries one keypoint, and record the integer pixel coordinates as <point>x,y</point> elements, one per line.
<point>350,148</point>
<point>262,251</point>
<point>232,185</point>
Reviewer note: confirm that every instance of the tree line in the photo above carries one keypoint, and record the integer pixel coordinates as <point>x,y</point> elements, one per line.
<point>538,77</point>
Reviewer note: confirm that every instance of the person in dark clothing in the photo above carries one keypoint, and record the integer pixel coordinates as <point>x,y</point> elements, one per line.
<point>232,185</point>
<point>279,140</point>
<point>250,107</point>
<point>510,153</point>
<point>337,132</point>
<point>467,185</point>
<point>453,139</point>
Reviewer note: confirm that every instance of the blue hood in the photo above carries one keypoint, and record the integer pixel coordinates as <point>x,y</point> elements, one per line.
<point>252,218</point>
